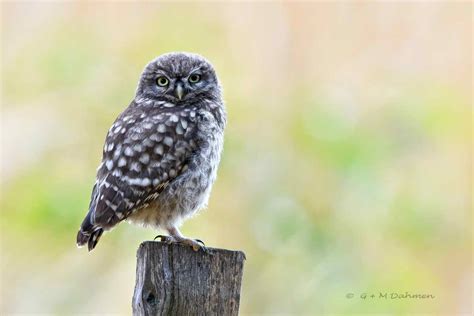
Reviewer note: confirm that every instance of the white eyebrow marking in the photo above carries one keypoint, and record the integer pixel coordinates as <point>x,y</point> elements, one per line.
<point>194,70</point>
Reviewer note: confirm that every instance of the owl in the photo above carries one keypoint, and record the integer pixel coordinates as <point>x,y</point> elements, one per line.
<point>161,154</point>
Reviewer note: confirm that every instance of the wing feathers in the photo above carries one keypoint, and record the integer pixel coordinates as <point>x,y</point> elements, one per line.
<point>143,152</point>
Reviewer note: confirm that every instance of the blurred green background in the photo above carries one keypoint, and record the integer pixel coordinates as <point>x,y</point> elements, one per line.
<point>347,161</point>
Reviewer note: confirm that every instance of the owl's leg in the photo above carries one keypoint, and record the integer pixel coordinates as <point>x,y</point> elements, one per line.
<point>176,237</point>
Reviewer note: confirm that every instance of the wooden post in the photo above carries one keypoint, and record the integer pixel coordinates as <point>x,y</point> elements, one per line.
<point>175,280</point>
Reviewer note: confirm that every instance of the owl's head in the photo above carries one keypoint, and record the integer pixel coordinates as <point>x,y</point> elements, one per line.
<point>179,78</point>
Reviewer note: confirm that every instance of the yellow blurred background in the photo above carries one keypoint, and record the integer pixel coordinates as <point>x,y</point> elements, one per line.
<point>347,160</point>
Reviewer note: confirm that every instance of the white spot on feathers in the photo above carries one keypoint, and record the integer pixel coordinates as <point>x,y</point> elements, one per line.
<point>117,173</point>
<point>137,148</point>
<point>112,206</point>
<point>118,148</point>
<point>174,118</point>
<point>109,164</point>
<point>145,158</point>
<point>135,167</point>
<point>161,128</point>
<point>156,137</point>
<point>148,125</point>
<point>143,182</point>
<point>122,162</point>
<point>168,141</point>
<point>128,152</point>
<point>172,173</point>
<point>179,130</point>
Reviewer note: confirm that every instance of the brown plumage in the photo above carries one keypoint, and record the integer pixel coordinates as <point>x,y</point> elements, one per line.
<point>161,154</point>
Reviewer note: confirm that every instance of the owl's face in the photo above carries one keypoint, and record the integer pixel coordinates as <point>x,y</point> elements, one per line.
<point>179,78</point>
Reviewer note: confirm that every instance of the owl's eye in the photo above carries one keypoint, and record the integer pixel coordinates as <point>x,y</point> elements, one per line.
<point>194,78</point>
<point>162,81</point>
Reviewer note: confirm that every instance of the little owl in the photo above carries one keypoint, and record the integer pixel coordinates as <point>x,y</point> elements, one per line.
<point>161,155</point>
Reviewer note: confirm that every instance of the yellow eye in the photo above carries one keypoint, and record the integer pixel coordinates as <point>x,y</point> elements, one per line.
<point>162,81</point>
<point>194,78</point>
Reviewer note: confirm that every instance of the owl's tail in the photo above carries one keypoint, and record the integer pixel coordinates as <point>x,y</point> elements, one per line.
<point>88,234</point>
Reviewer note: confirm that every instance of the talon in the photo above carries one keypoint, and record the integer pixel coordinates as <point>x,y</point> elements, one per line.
<point>160,236</point>
<point>166,239</point>
<point>175,236</point>
<point>194,244</point>
<point>201,242</point>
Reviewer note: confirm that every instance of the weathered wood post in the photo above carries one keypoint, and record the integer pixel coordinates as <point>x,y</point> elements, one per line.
<point>175,280</point>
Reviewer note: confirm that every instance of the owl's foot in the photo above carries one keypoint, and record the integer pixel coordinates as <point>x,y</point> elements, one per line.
<point>164,239</point>
<point>196,244</point>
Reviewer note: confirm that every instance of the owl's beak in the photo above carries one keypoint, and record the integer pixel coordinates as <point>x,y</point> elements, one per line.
<point>179,90</point>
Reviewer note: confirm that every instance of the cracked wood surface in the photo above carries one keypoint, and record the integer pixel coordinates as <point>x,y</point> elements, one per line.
<point>175,280</point>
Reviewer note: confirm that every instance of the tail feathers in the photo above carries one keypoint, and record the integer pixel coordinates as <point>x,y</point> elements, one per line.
<point>89,238</point>
<point>88,234</point>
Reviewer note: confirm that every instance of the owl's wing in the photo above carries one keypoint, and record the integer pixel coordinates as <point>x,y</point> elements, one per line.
<point>143,152</point>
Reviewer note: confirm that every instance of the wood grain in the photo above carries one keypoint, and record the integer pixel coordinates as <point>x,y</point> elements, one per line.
<point>175,280</point>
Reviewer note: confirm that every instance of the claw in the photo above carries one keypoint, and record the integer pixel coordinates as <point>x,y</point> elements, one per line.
<point>159,236</point>
<point>201,242</point>
<point>196,244</point>
<point>166,239</point>
<point>203,247</point>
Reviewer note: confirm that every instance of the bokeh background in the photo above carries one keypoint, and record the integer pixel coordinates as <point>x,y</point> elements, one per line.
<point>347,161</point>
